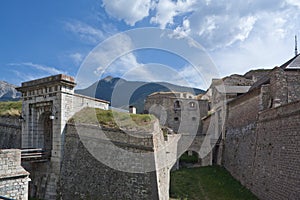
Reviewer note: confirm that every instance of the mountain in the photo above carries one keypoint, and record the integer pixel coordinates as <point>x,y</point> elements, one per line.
<point>8,92</point>
<point>122,93</point>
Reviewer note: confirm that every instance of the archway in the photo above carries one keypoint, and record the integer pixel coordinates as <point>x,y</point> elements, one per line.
<point>46,133</point>
<point>189,159</point>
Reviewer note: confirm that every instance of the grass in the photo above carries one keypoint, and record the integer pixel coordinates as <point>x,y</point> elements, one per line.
<point>213,183</point>
<point>112,119</point>
<point>10,108</point>
<point>188,159</point>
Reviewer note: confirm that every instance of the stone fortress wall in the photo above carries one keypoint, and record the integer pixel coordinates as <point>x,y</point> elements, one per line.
<point>85,177</point>
<point>10,132</point>
<point>48,104</point>
<point>13,178</point>
<point>262,150</point>
<point>259,143</point>
<point>182,113</point>
<point>262,136</point>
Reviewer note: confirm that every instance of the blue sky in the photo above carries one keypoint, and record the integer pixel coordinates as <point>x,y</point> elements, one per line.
<point>41,38</point>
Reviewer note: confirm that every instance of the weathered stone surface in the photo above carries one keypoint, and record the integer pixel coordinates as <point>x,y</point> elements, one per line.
<point>262,148</point>
<point>13,178</point>
<point>83,176</point>
<point>48,104</point>
<point>10,132</point>
<point>181,112</point>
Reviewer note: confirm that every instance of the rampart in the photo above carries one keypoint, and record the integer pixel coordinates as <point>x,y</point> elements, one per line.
<point>10,132</point>
<point>86,175</point>
<point>262,148</point>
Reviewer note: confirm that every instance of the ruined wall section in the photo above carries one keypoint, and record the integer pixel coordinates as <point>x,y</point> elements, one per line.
<point>10,132</point>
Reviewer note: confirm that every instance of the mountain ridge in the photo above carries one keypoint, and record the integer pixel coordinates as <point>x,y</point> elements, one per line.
<point>122,93</point>
<point>8,92</point>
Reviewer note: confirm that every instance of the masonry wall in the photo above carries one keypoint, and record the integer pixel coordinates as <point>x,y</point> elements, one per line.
<point>85,176</point>
<point>276,169</point>
<point>240,138</point>
<point>10,132</point>
<point>262,149</point>
<point>13,178</point>
<point>293,77</point>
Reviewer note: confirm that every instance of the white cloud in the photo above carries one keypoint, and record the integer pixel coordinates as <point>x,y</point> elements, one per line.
<point>76,58</point>
<point>182,31</point>
<point>109,51</point>
<point>243,29</point>
<point>101,60</point>
<point>42,68</point>
<point>31,71</point>
<point>123,65</point>
<point>294,3</point>
<point>166,10</point>
<point>239,35</point>
<point>130,11</point>
<point>85,32</point>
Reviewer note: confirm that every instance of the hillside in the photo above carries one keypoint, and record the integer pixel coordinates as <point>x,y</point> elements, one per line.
<point>8,92</point>
<point>122,93</point>
<point>10,108</point>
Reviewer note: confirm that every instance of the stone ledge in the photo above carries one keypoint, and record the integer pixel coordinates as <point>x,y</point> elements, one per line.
<point>21,174</point>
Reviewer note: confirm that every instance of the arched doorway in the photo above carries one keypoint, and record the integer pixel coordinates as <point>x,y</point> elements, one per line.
<point>189,159</point>
<point>46,132</point>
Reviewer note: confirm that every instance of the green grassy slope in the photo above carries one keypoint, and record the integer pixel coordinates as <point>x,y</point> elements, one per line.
<point>213,183</point>
<point>10,108</point>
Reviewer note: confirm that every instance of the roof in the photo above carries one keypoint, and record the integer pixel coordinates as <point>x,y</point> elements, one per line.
<point>293,63</point>
<point>232,89</point>
<point>287,64</point>
<point>173,93</point>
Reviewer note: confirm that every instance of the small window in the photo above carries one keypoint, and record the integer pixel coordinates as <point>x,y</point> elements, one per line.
<point>194,118</point>
<point>176,105</point>
<point>176,119</point>
<point>192,104</point>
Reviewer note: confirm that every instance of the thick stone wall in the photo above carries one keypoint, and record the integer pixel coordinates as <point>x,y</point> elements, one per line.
<point>262,149</point>
<point>13,178</point>
<point>85,176</point>
<point>10,132</point>
<point>293,77</point>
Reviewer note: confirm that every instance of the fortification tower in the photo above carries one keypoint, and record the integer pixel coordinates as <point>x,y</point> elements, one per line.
<point>48,104</point>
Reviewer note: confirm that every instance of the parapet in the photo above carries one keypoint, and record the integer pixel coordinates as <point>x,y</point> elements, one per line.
<point>60,78</point>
